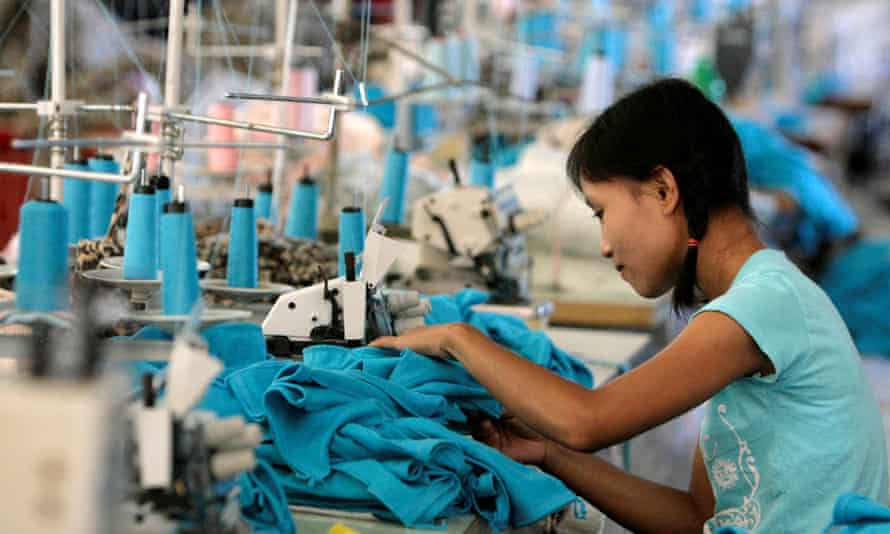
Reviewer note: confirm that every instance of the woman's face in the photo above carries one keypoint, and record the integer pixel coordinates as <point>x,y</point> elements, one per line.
<point>643,230</point>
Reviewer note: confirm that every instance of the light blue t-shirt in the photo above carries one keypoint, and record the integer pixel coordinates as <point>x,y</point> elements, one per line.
<point>779,449</point>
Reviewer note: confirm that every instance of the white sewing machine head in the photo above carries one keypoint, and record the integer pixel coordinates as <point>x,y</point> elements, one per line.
<point>349,310</point>
<point>471,236</point>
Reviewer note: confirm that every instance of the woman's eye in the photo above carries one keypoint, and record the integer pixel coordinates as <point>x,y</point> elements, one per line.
<point>598,214</point>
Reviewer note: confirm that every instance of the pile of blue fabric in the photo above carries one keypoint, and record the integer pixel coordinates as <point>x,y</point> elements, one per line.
<point>774,163</point>
<point>858,279</point>
<point>858,282</point>
<point>372,430</point>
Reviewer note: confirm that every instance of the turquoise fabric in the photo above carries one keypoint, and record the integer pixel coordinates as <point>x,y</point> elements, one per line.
<point>778,448</point>
<point>510,332</point>
<point>263,502</point>
<point>351,440</point>
<point>366,429</point>
<point>855,514</point>
<point>774,163</point>
<point>858,282</point>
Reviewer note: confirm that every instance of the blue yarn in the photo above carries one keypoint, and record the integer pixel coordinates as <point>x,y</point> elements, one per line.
<point>241,269</point>
<point>77,201</point>
<point>395,186</point>
<point>352,238</point>
<point>102,196</point>
<point>302,219</point>
<point>179,289</point>
<point>263,206</point>
<point>140,250</point>
<point>162,196</point>
<point>482,173</point>
<point>42,281</point>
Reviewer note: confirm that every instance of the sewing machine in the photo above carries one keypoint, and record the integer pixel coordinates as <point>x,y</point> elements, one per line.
<point>82,459</point>
<point>471,236</point>
<point>351,310</point>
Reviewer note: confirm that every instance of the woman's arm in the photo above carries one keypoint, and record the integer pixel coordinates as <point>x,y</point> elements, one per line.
<point>637,504</point>
<point>709,354</point>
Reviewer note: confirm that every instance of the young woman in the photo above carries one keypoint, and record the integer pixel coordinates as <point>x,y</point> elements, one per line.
<point>791,422</point>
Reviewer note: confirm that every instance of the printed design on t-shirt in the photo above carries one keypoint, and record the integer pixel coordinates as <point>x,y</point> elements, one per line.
<point>726,474</point>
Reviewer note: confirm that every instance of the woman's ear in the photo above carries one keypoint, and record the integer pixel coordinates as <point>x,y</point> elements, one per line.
<point>664,187</point>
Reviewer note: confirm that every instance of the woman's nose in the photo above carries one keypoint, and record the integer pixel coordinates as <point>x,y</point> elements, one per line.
<point>605,248</point>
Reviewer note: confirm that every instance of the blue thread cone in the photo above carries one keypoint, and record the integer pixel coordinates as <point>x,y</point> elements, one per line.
<point>163,194</point>
<point>395,186</point>
<point>352,237</point>
<point>179,289</point>
<point>302,219</point>
<point>263,205</point>
<point>241,269</point>
<point>76,199</point>
<point>42,282</point>
<point>140,250</point>
<point>482,173</point>
<point>102,195</point>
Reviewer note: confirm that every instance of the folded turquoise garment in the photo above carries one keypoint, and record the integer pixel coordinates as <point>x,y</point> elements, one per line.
<point>510,332</point>
<point>854,514</point>
<point>858,283</point>
<point>504,492</point>
<point>420,374</point>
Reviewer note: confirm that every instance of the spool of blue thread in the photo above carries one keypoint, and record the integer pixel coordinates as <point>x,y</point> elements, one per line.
<point>102,195</point>
<point>42,281</point>
<point>482,173</point>
<point>241,269</point>
<point>179,289</point>
<point>352,237</point>
<point>395,186</point>
<point>141,248</point>
<point>263,207</point>
<point>161,184</point>
<point>77,201</point>
<point>302,219</point>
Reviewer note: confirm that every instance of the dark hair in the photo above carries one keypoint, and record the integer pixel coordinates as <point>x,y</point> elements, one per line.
<point>668,123</point>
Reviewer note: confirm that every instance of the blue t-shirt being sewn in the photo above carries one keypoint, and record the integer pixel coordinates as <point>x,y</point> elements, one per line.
<point>779,449</point>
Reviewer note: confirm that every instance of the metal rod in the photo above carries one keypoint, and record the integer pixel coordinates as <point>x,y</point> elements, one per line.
<point>26,144</point>
<point>336,106</point>
<point>51,187</point>
<point>352,103</point>
<point>171,82</point>
<point>129,177</point>
<point>268,51</point>
<point>174,54</point>
<point>107,108</point>
<point>57,49</point>
<point>287,98</point>
<point>7,73</point>
<point>417,58</point>
<point>18,106</point>
<point>290,30</point>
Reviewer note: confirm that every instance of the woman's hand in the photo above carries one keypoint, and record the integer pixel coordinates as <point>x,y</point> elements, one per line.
<point>514,439</point>
<point>433,341</point>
